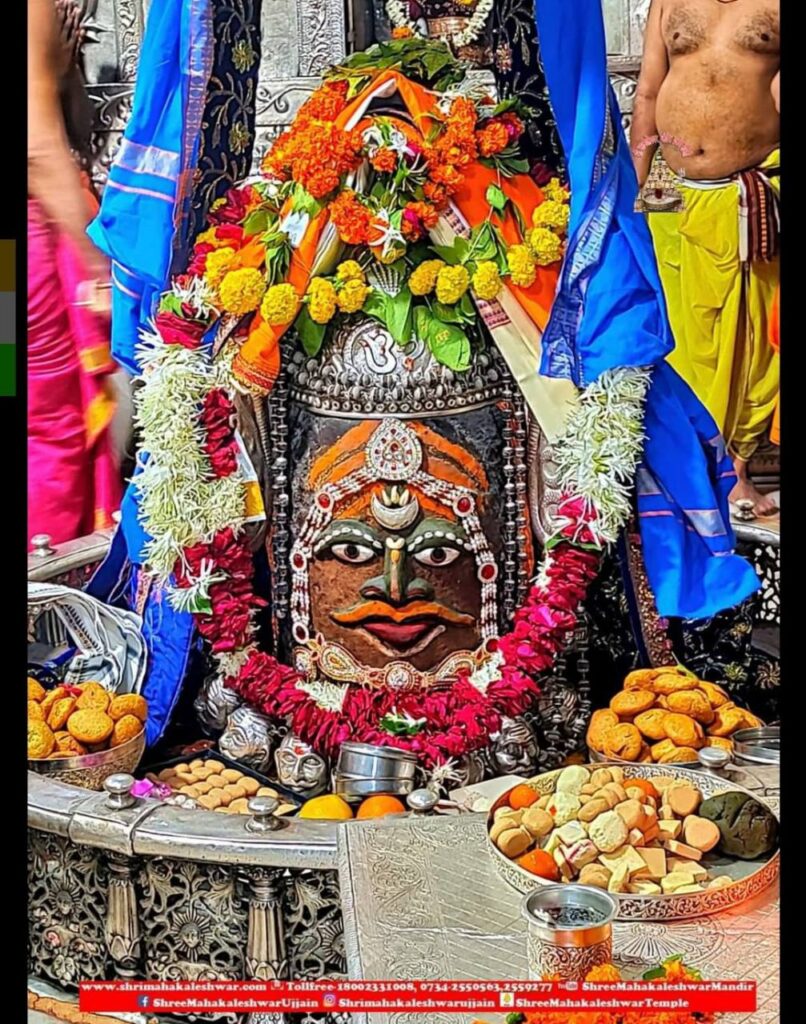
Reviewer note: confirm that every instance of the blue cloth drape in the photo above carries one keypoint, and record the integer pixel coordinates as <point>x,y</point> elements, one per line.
<point>609,311</point>
<point>141,223</point>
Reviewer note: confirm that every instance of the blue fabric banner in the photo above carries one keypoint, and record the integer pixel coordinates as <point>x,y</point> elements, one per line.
<point>610,311</point>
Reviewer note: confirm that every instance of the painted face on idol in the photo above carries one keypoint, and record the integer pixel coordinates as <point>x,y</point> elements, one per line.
<point>393,561</point>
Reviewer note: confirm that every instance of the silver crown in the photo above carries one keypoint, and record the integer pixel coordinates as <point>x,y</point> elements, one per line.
<point>362,371</point>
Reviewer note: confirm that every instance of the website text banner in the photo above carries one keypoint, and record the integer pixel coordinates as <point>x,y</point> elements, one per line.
<point>415,996</point>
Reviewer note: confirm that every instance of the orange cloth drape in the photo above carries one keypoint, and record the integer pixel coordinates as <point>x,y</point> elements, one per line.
<point>258,362</point>
<point>775,341</point>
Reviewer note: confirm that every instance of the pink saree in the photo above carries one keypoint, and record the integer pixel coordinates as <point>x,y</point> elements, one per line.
<point>73,479</point>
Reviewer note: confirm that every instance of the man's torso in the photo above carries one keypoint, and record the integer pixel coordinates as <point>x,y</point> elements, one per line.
<point>715,113</point>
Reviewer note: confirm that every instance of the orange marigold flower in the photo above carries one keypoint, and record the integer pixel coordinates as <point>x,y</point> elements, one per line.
<point>604,972</point>
<point>463,111</point>
<point>427,214</point>
<point>351,218</point>
<point>385,160</point>
<point>324,104</point>
<point>438,194</point>
<point>403,32</point>
<point>447,175</point>
<point>493,138</point>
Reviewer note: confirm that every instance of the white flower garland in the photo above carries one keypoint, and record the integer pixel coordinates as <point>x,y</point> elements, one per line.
<point>397,10</point>
<point>598,454</point>
<point>182,503</point>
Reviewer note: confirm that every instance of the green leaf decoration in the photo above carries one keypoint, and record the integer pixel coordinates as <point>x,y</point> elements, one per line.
<point>398,726</point>
<point>170,303</point>
<point>423,318</point>
<point>310,333</point>
<point>303,202</point>
<point>496,198</point>
<point>449,345</point>
<point>467,308</point>
<point>375,305</point>
<point>458,252</point>
<point>655,973</point>
<point>398,315</point>
<point>257,221</point>
<point>483,242</point>
<point>447,314</point>
<point>201,606</point>
<point>515,1018</point>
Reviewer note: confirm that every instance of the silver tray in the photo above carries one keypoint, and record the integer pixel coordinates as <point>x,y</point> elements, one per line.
<point>750,877</point>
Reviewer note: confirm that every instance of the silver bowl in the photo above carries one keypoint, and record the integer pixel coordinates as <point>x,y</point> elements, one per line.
<point>90,771</point>
<point>371,787</point>
<point>758,746</point>
<point>364,760</point>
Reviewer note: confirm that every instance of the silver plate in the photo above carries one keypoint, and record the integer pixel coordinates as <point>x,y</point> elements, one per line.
<point>749,877</point>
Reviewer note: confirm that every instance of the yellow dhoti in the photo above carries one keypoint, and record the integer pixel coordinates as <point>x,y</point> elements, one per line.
<point>720,306</point>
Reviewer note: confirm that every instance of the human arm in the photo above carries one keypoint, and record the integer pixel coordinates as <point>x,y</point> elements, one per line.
<point>654,67</point>
<point>53,177</point>
<point>775,89</point>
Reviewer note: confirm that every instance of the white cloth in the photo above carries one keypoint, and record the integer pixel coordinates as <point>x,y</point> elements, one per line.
<point>109,643</point>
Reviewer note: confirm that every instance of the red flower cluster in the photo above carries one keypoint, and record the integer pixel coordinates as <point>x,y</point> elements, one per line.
<point>458,717</point>
<point>234,206</point>
<point>218,420</point>
<point>228,625</point>
<point>176,330</point>
<point>548,615</point>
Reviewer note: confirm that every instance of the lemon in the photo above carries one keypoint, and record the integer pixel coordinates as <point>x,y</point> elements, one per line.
<point>326,808</point>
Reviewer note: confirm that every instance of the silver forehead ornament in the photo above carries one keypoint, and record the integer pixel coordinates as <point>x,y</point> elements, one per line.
<point>248,738</point>
<point>299,767</point>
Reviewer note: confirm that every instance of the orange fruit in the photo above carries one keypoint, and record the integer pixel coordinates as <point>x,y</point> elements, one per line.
<point>538,862</point>
<point>326,808</point>
<point>378,806</point>
<point>522,796</point>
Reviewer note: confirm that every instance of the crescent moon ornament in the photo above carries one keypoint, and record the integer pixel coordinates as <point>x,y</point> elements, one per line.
<point>395,518</point>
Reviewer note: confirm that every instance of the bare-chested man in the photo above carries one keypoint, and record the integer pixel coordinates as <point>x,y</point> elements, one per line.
<point>708,96</point>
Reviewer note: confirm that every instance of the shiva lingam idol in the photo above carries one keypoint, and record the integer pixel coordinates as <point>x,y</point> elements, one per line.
<point>408,544</point>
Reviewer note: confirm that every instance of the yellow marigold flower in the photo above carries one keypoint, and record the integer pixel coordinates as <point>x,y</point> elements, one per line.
<point>487,280</point>
<point>349,270</point>
<point>452,283</point>
<point>521,265</point>
<point>556,191</point>
<point>280,305</point>
<point>217,264</point>
<point>545,246</point>
<point>241,290</point>
<point>552,214</point>
<point>424,278</point>
<point>604,972</point>
<point>208,237</point>
<point>352,296</point>
<point>321,300</point>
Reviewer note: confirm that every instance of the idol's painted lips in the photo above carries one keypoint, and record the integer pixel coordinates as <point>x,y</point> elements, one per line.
<point>400,627</point>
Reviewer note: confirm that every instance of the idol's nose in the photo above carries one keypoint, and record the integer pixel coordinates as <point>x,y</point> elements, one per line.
<point>396,586</point>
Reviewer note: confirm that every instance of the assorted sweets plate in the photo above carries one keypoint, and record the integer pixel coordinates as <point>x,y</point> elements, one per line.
<point>666,841</point>
<point>665,716</point>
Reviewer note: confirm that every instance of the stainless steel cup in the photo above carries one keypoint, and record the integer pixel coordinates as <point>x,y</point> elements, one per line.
<point>569,930</point>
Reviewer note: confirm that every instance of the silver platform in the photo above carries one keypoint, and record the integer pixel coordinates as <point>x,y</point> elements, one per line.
<point>422,900</point>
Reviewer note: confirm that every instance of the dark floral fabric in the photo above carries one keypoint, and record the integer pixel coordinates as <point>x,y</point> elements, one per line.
<point>519,72</point>
<point>228,125</point>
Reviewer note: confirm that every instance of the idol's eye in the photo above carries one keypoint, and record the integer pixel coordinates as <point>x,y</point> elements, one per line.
<point>353,554</point>
<point>437,556</point>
